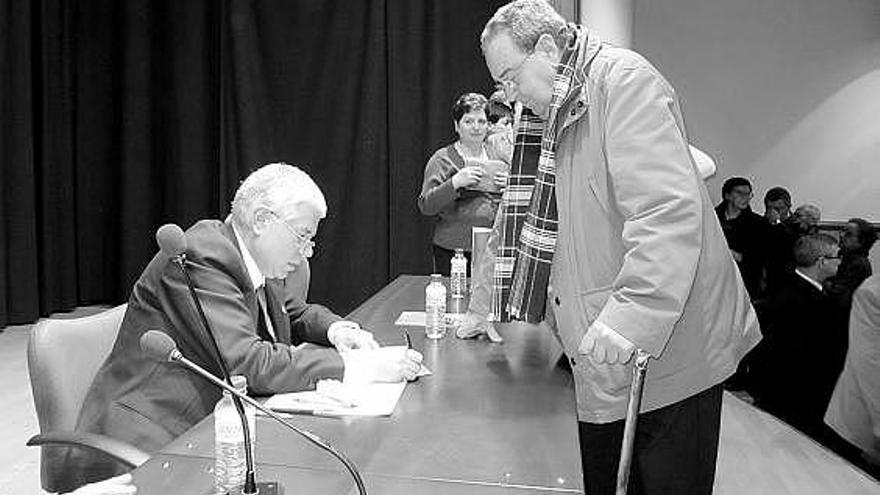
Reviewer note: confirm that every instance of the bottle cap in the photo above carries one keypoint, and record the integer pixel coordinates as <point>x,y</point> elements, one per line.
<point>435,276</point>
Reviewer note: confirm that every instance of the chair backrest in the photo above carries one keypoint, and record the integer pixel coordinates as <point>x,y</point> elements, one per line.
<point>63,358</point>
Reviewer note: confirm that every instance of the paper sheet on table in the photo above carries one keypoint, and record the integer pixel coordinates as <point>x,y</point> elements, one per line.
<point>417,318</point>
<point>373,399</point>
<point>411,318</point>
<point>333,398</point>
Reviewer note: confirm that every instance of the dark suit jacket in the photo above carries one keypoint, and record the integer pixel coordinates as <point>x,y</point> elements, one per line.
<point>797,358</point>
<point>746,235</point>
<point>148,403</point>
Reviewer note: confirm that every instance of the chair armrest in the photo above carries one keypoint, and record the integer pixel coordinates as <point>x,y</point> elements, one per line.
<point>122,452</point>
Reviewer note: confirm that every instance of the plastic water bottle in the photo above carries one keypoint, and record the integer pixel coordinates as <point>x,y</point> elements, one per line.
<point>458,272</point>
<point>229,456</point>
<point>435,308</point>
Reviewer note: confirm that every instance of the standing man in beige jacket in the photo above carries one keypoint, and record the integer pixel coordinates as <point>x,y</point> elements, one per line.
<point>621,250</point>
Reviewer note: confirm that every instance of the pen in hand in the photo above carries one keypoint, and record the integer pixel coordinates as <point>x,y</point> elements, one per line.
<point>408,340</point>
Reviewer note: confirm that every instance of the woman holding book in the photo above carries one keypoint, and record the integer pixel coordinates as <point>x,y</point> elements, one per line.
<point>463,183</point>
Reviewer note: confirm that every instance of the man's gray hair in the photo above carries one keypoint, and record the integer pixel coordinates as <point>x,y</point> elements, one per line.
<point>525,21</point>
<point>278,187</point>
<point>809,248</point>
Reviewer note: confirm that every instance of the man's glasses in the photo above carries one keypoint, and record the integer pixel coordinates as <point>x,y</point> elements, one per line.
<point>306,246</point>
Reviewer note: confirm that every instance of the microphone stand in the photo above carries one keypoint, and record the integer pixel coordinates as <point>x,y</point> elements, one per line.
<point>177,356</point>
<point>250,484</point>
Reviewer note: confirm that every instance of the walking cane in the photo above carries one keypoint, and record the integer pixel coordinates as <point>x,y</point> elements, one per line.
<point>632,415</point>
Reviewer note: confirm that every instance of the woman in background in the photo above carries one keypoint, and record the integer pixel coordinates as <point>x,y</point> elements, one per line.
<point>454,189</point>
<point>499,139</point>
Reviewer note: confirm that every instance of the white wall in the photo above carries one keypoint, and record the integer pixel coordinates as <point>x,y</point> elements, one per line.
<point>785,92</point>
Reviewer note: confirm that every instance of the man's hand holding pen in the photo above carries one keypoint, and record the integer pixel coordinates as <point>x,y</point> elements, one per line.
<point>366,361</point>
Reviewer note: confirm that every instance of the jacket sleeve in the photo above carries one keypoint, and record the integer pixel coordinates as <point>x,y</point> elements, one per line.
<point>656,190</point>
<point>437,189</point>
<point>269,367</point>
<point>864,351</point>
<point>309,322</point>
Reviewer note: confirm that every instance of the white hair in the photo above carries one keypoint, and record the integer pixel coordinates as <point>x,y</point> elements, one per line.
<point>525,21</point>
<point>278,187</point>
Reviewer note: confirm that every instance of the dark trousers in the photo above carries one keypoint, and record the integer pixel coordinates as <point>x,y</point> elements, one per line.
<point>675,449</point>
<point>443,258</point>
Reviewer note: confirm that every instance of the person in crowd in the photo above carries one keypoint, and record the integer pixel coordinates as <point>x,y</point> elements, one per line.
<point>620,249</point>
<point>777,205</point>
<point>454,190</point>
<point>796,370</point>
<point>499,140</point>
<point>804,221</point>
<point>778,244</point>
<point>856,242</point>
<point>279,343</point>
<point>854,409</point>
<point>744,230</point>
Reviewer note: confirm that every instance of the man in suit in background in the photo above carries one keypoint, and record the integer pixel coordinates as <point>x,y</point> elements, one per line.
<point>238,266</point>
<point>777,245</point>
<point>744,230</point>
<point>855,244</point>
<point>797,361</point>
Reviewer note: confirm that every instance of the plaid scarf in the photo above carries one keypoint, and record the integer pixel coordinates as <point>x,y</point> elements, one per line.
<point>528,239</point>
<point>514,206</point>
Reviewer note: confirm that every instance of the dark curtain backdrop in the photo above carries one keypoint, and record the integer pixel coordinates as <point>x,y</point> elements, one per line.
<point>118,117</point>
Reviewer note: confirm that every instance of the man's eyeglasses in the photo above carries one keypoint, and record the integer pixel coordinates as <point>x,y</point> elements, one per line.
<point>306,246</point>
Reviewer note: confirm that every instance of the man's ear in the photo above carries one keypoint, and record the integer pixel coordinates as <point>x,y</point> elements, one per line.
<point>262,217</point>
<point>546,46</point>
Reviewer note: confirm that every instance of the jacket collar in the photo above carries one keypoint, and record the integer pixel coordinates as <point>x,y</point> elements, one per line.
<point>587,46</point>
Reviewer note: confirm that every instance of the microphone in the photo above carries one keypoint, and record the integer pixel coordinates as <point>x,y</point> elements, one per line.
<point>160,346</point>
<point>172,243</point>
<point>171,240</point>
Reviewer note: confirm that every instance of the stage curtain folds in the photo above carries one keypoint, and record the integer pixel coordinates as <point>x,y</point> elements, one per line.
<point>118,117</point>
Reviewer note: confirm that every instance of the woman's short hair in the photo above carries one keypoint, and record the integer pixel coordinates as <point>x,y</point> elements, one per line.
<point>467,103</point>
<point>525,21</point>
<point>278,187</point>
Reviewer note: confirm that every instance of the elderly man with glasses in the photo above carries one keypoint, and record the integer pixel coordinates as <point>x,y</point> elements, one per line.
<point>802,354</point>
<point>277,341</point>
<point>619,249</point>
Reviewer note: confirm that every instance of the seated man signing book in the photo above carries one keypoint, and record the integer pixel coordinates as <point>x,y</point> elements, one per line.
<point>280,343</point>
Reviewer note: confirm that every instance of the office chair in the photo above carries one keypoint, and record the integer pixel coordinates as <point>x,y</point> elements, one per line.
<point>63,358</point>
